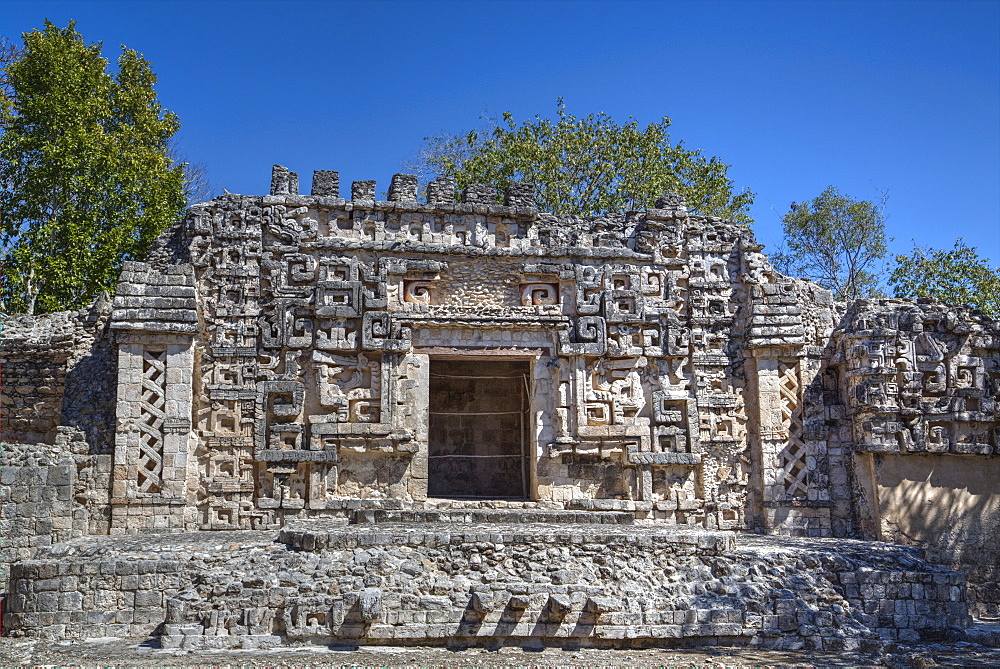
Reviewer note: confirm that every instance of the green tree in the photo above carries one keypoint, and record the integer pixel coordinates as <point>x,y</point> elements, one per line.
<point>587,165</point>
<point>836,241</point>
<point>958,276</point>
<point>85,179</point>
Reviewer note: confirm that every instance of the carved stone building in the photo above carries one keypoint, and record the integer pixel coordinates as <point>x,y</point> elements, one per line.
<point>298,362</point>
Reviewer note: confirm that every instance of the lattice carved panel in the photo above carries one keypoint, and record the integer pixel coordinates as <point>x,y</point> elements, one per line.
<point>150,423</point>
<point>792,459</point>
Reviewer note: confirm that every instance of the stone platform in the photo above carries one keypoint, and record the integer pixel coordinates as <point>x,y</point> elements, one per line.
<point>457,584</point>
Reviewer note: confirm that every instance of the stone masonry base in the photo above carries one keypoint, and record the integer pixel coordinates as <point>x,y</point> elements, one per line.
<point>422,581</point>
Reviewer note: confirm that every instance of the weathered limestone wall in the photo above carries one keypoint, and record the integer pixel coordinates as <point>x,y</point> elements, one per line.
<point>951,505</point>
<point>36,494</point>
<point>49,494</point>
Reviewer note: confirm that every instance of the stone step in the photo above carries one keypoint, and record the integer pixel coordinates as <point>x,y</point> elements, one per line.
<point>512,516</point>
<point>983,632</point>
<point>609,505</point>
<point>319,535</point>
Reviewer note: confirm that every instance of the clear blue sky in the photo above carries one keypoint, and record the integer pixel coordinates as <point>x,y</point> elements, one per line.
<point>901,95</point>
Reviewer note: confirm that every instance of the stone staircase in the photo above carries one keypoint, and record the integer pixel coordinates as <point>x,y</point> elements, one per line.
<point>500,512</point>
<point>515,516</point>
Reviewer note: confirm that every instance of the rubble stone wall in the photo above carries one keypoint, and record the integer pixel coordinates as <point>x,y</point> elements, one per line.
<point>34,375</point>
<point>485,584</point>
<point>56,423</point>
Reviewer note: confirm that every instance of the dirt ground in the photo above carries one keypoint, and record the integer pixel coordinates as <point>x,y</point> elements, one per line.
<point>139,653</point>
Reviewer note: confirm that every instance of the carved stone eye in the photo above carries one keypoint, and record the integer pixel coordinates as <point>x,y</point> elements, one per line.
<point>418,291</point>
<point>535,294</point>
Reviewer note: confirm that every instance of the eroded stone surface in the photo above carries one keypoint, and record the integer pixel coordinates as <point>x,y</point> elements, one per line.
<point>486,584</point>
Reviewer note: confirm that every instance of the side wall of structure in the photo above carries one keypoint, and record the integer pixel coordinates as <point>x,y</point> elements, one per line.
<point>57,426</point>
<point>920,383</point>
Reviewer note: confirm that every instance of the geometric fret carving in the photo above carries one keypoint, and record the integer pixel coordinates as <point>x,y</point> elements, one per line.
<point>150,423</point>
<point>792,459</point>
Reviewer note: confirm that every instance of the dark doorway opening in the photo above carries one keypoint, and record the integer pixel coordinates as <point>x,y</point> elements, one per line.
<point>478,429</point>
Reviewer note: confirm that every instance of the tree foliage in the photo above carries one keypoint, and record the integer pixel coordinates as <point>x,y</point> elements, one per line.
<point>85,179</point>
<point>958,276</point>
<point>836,241</point>
<point>587,165</point>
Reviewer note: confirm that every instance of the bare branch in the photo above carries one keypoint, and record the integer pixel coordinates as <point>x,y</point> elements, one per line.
<point>198,186</point>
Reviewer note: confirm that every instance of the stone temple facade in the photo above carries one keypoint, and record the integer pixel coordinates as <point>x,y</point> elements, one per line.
<point>312,418</point>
